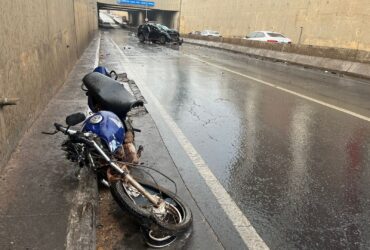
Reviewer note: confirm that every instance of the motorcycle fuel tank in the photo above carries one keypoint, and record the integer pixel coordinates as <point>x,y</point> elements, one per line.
<point>108,127</point>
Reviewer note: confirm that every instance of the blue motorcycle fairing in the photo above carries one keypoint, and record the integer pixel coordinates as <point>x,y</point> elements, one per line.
<point>102,70</point>
<point>108,127</point>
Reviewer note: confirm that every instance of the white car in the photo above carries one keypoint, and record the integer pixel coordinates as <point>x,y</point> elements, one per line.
<point>268,36</point>
<point>210,33</point>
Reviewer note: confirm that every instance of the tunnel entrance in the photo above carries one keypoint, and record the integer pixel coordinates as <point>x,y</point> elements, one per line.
<point>135,15</point>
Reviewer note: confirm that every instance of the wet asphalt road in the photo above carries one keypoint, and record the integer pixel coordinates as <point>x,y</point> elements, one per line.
<point>298,170</point>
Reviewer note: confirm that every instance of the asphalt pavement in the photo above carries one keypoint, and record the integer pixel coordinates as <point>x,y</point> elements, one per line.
<point>288,144</point>
<point>116,228</point>
<point>267,155</point>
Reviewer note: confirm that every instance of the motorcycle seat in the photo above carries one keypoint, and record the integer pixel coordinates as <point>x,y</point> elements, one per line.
<point>110,94</point>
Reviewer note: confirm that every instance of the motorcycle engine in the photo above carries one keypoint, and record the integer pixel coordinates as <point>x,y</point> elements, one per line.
<point>74,152</point>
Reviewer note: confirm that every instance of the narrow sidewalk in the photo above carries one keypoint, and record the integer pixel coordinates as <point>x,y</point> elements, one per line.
<point>42,203</point>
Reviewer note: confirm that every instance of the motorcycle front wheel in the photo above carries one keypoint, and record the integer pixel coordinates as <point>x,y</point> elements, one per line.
<point>175,219</point>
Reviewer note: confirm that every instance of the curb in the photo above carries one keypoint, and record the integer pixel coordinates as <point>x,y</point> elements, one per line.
<point>334,65</point>
<point>81,231</point>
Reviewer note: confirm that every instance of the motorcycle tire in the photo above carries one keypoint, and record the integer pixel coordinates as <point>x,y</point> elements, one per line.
<point>141,208</point>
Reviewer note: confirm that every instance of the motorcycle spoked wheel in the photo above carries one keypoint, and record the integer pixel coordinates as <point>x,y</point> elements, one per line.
<point>157,239</point>
<point>159,230</point>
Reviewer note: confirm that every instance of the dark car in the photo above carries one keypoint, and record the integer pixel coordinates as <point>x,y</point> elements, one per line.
<point>155,32</point>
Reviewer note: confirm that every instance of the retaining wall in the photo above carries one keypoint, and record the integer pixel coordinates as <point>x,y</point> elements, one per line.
<point>40,42</point>
<point>332,23</point>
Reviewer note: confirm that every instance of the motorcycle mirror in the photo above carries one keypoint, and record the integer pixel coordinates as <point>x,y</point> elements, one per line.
<point>75,119</point>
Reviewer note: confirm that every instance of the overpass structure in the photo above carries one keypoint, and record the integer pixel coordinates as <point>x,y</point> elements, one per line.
<point>166,12</point>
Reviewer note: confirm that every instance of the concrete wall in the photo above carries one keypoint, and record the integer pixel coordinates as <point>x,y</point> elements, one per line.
<point>334,23</point>
<point>120,13</point>
<point>168,18</point>
<point>172,5</point>
<point>136,18</point>
<point>40,42</point>
<point>85,14</point>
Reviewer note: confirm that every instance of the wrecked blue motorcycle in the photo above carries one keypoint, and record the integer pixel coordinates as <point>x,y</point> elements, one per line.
<point>105,143</point>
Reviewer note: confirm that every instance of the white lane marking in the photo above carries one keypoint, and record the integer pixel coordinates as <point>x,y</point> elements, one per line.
<point>362,117</point>
<point>242,225</point>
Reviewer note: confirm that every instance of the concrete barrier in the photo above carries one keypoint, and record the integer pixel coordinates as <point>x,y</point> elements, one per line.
<point>319,51</point>
<point>346,61</point>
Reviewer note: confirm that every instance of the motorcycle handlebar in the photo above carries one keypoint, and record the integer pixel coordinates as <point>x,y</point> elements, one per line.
<point>64,130</point>
<point>75,135</point>
<point>58,126</point>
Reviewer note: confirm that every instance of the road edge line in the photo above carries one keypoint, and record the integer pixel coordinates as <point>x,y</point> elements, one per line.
<point>241,224</point>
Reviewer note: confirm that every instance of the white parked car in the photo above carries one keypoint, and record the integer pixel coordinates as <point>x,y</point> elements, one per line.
<point>195,33</point>
<point>268,36</point>
<point>210,33</point>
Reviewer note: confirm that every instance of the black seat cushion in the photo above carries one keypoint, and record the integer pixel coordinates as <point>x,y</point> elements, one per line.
<point>110,94</point>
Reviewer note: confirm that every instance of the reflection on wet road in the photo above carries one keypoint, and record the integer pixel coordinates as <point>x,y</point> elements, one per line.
<point>298,170</point>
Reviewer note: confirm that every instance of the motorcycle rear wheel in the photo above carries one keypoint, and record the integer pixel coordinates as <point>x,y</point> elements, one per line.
<point>177,218</point>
